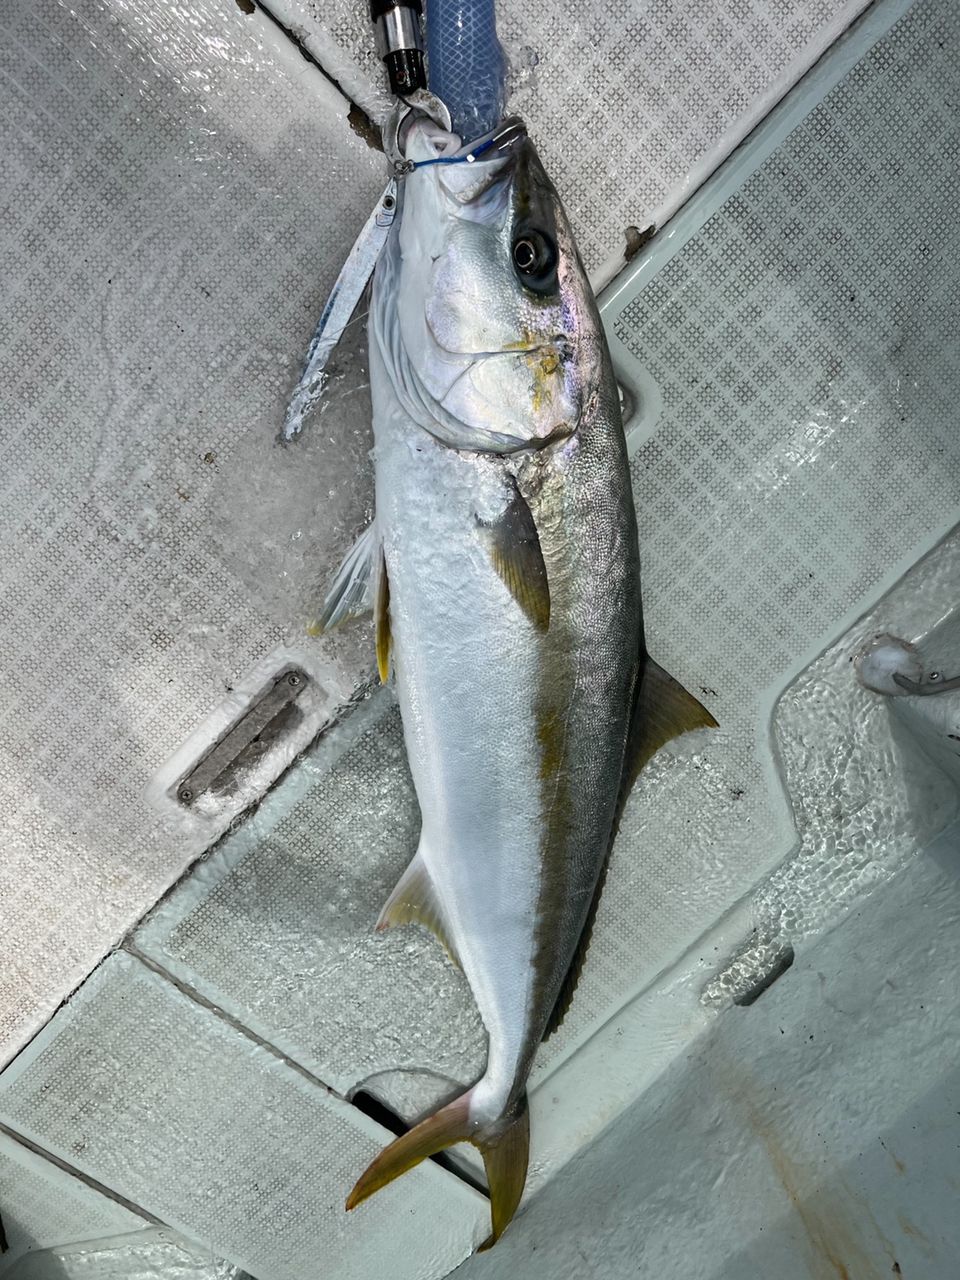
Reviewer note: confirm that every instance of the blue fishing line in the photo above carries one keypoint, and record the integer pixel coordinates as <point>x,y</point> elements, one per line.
<point>471,155</point>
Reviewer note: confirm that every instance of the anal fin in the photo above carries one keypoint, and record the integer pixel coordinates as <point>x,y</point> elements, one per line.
<point>415,901</point>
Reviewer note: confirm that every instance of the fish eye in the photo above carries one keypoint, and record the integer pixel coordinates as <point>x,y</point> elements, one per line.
<point>535,258</point>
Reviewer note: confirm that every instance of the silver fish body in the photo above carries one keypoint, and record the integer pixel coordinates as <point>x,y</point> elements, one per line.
<point>509,591</point>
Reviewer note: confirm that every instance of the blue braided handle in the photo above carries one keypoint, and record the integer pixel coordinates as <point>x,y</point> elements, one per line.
<point>465,62</point>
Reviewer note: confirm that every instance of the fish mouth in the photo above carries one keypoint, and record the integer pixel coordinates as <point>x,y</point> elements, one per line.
<point>504,143</point>
<point>550,354</point>
<point>556,344</point>
<point>500,143</point>
<point>478,177</point>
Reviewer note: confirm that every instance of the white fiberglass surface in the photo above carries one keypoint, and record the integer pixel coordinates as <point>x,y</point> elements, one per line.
<point>745,467</point>
<point>147,1254</point>
<point>164,262</point>
<point>184,190</point>
<point>217,1137</point>
<point>42,1206</point>
<point>813,1134</point>
<point>631,105</point>
<point>934,721</point>
<point>867,785</point>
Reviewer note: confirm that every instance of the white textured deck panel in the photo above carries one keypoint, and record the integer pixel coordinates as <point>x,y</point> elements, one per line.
<point>812,1136</point>
<point>780,494</point>
<point>276,926</point>
<point>177,193</point>
<point>148,1093</point>
<point>154,1254</point>
<point>807,454</point>
<point>866,795</point>
<point>631,105</point>
<point>41,1205</point>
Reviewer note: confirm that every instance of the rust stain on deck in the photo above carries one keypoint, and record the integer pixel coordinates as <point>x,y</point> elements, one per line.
<point>834,1223</point>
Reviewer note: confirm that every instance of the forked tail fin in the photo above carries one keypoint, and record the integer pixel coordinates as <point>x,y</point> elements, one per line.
<point>504,1145</point>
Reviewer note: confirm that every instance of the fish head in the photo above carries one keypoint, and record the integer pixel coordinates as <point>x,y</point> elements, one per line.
<point>497,315</point>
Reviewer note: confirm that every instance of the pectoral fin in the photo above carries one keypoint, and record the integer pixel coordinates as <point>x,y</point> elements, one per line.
<point>414,901</point>
<point>350,593</point>
<point>518,560</point>
<point>361,584</point>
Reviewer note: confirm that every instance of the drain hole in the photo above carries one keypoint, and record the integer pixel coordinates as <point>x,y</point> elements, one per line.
<point>779,967</point>
<point>375,1109</point>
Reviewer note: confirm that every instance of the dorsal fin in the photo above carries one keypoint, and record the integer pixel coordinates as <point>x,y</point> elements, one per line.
<point>663,709</point>
<point>414,901</point>
<point>570,982</point>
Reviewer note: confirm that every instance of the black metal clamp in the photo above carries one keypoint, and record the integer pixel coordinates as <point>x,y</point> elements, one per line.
<point>400,43</point>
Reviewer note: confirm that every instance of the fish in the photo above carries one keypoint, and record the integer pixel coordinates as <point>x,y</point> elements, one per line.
<point>503,569</point>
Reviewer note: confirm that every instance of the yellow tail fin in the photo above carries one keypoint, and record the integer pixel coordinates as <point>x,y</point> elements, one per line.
<point>505,1160</point>
<point>504,1147</point>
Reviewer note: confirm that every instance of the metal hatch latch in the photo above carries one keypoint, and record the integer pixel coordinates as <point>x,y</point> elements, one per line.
<point>267,717</point>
